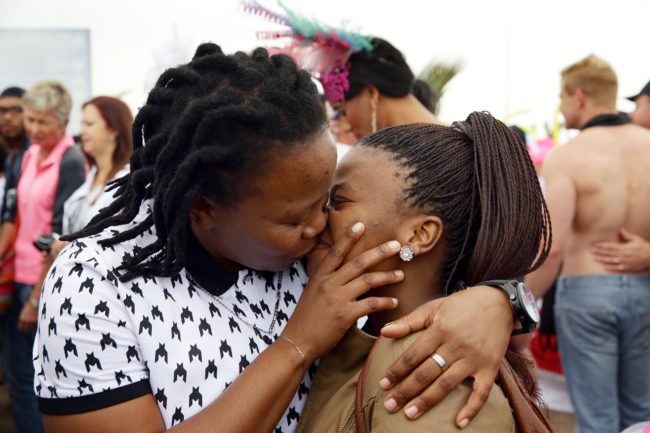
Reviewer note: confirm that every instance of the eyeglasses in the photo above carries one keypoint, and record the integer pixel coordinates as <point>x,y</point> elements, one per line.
<point>14,110</point>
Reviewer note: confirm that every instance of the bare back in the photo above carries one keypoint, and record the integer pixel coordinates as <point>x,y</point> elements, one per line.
<point>609,168</point>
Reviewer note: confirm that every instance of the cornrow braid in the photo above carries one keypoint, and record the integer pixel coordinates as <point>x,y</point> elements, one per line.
<point>204,132</point>
<point>481,182</point>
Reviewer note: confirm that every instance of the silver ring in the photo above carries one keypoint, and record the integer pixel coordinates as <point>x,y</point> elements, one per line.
<point>440,361</point>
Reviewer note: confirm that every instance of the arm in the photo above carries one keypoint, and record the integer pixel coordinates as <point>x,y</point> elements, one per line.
<point>260,395</point>
<point>29,314</point>
<point>72,172</point>
<point>7,235</point>
<point>495,416</point>
<point>470,330</point>
<point>632,254</point>
<point>561,196</point>
<point>8,217</point>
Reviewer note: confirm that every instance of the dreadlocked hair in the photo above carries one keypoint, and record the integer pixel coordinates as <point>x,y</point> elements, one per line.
<point>482,184</point>
<point>479,180</point>
<point>205,130</point>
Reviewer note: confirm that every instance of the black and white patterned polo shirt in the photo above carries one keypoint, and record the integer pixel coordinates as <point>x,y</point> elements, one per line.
<point>183,339</point>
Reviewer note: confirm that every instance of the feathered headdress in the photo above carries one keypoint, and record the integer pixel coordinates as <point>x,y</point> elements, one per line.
<point>316,47</point>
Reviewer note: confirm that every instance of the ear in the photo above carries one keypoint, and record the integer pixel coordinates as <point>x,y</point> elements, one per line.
<point>581,97</point>
<point>373,93</point>
<point>202,213</point>
<point>422,233</point>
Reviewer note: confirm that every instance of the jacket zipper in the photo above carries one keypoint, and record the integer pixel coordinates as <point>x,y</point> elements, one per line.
<point>347,419</point>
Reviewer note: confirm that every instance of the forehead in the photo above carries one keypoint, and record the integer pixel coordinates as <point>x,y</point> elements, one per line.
<point>370,170</point>
<point>90,111</point>
<point>10,101</point>
<point>299,177</point>
<point>42,115</point>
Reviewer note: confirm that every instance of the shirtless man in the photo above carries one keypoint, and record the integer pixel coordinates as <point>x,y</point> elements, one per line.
<point>632,252</point>
<point>597,184</point>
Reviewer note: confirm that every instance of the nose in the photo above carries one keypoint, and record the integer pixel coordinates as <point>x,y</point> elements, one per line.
<point>316,226</point>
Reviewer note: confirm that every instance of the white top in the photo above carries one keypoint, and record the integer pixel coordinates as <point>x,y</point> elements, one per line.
<point>86,202</point>
<point>101,342</point>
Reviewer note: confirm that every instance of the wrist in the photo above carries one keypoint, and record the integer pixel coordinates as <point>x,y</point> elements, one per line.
<point>496,298</point>
<point>33,301</point>
<point>295,353</point>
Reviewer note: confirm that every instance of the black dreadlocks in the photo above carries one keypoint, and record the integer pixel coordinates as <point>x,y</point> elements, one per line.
<point>207,126</point>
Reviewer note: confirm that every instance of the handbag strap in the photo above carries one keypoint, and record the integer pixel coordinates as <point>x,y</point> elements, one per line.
<point>359,423</point>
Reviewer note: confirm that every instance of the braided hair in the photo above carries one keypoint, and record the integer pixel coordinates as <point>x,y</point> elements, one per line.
<point>205,131</point>
<point>480,181</point>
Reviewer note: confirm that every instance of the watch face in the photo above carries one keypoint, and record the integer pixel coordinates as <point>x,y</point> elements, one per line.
<point>528,302</point>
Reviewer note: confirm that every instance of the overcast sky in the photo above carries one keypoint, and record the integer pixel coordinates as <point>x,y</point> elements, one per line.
<point>511,50</point>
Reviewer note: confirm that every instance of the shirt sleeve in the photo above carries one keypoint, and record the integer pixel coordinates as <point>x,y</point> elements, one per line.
<point>72,172</point>
<point>9,196</point>
<point>86,354</point>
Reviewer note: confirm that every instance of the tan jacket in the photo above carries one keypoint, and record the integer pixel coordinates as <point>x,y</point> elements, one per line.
<point>331,402</point>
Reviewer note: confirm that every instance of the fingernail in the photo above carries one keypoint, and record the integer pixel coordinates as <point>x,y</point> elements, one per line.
<point>399,273</point>
<point>387,325</point>
<point>390,405</point>
<point>395,302</point>
<point>463,423</point>
<point>357,227</point>
<point>393,245</point>
<point>384,384</point>
<point>411,412</point>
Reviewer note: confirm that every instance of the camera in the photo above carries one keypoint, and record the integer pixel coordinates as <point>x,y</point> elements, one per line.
<point>44,242</point>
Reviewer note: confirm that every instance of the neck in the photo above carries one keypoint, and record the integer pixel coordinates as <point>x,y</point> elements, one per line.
<point>401,111</point>
<point>45,151</point>
<point>592,112</point>
<point>104,165</point>
<point>419,286</point>
<point>15,144</point>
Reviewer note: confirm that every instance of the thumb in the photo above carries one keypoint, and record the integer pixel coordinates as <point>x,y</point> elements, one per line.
<point>626,236</point>
<point>416,320</point>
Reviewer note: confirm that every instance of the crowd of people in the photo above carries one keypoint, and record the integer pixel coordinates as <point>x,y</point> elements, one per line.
<point>218,264</point>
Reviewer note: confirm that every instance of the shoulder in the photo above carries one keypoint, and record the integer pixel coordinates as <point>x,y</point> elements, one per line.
<point>496,414</point>
<point>72,157</point>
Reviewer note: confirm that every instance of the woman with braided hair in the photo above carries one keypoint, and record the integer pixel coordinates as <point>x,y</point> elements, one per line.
<point>185,304</point>
<point>464,201</point>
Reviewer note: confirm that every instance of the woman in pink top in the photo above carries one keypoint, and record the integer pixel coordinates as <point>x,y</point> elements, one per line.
<point>53,168</point>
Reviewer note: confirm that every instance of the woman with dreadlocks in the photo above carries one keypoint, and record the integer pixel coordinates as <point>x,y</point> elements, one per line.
<point>177,306</point>
<point>465,203</point>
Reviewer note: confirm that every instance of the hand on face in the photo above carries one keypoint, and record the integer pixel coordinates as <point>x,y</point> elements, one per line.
<point>330,303</point>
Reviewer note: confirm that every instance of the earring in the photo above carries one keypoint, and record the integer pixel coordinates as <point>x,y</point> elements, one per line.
<point>373,115</point>
<point>406,253</point>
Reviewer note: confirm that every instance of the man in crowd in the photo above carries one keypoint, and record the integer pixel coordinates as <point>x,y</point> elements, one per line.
<point>632,253</point>
<point>595,185</point>
<point>12,131</point>
<point>14,137</point>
